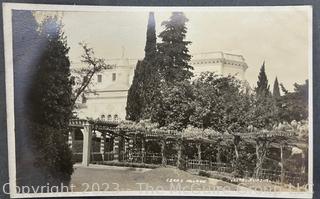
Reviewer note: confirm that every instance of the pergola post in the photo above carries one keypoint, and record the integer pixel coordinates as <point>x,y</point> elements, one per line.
<point>281,165</point>
<point>71,138</point>
<point>179,153</point>
<point>199,150</point>
<point>102,144</point>
<point>126,145</point>
<point>143,150</point>
<point>130,144</point>
<point>163,155</point>
<point>116,148</point>
<point>218,155</point>
<point>303,167</point>
<point>87,139</point>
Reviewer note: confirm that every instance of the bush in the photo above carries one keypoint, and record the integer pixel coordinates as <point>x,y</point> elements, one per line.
<point>204,173</point>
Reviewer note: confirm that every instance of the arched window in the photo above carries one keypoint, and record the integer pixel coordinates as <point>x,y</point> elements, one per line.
<point>109,117</point>
<point>115,117</point>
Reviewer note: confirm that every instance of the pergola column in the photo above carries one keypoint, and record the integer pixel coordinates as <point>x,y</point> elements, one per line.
<point>163,147</point>
<point>130,143</point>
<point>303,167</point>
<point>87,139</point>
<point>281,165</point>
<point>102,144</point>
<point>126,145</point>
<point>179,153</point>
<point>71,138</point>
<point>199,150</point>
<point>143,149</point>
<point>116,148</point>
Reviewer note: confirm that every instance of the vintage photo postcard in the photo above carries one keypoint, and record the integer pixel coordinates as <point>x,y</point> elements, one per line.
<point>171,101</point>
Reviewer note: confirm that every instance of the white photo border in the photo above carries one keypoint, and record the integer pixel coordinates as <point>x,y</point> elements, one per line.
<point>9,81</point>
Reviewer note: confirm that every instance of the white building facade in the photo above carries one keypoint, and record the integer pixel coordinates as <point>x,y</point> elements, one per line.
<point>111,87</point>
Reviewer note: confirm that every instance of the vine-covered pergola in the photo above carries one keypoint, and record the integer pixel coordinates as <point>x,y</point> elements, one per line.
<point>135,136</point>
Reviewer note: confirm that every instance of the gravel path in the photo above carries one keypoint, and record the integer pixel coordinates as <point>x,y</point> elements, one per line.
<point>111,178</point>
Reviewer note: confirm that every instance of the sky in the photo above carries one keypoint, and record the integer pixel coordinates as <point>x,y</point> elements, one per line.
<point>280,36</point>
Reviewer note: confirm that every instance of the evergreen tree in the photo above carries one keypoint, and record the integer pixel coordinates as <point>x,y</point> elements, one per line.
<point>151,42</point>
<point>150,71</point>
<point>263,87</point>
<point>27,50</point>
<point>276,89</point>
<point>51,103</point>
<point>142,90</point>
<point>265,110</point>
<point>134,99</point>
<point>173,51</point>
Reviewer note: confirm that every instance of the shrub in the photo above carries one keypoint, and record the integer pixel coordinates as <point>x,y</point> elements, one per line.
<point>204,173</point>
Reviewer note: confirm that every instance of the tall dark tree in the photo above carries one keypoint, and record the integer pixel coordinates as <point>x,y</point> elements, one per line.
<point>151,42</point>
<point>27,50</point>
<point>276,89</point>
<point>263,87</point>
<point>51,101</point>
<point>143,87</point>
<point>134,99</point>
<point>173,51</point>
<point>265,110</point>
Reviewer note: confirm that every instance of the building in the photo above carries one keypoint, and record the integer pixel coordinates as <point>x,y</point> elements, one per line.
<point>109,99</point>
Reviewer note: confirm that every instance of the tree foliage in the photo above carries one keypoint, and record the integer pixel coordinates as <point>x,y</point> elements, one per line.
<point>174,105</point>
<point>276,89</point>
<point>50,99</point>
<point>143,89</point>
<point>27,51</point>
<point>294,105</point>
<point>135,99</point>
<point>151,41</point>
<point>173,52</point>
<point>263,87</point>
<point>220,103</point>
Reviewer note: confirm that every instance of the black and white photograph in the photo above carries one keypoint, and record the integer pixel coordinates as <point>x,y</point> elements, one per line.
<point>174,101</point>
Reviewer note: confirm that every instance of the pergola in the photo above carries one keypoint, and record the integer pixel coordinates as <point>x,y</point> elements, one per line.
<point>278,138</point>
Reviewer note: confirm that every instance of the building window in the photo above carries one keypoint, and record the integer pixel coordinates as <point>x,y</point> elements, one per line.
<point>99,78</point>
<point>83,99</point>
<point>114,77</point>
<point>109,117</point>
<point>115,117</point>
<point>85,79</point>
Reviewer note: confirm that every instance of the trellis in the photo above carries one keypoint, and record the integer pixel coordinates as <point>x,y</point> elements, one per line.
<point>261,139</point>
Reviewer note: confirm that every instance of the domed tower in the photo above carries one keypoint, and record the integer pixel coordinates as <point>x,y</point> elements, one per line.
<point>222,63</point>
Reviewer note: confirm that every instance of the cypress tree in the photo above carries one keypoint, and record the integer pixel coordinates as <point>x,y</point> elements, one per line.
<point>173,51</point>
<point>276,89</point>
<point>27,51</point>
<point>51,103</point>
<point>134,99</point>
<point>263,87</point>
<point>151,42</point>
<point>141,93</point>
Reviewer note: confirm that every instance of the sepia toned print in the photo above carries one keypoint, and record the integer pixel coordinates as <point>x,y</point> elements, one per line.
<point>208,101</point>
